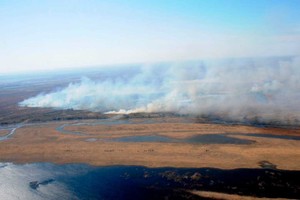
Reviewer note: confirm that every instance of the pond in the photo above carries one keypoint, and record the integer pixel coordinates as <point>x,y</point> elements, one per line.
<point>197,139</point>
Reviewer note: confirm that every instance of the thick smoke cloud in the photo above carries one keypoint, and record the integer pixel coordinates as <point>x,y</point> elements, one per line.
<point>263,90</point>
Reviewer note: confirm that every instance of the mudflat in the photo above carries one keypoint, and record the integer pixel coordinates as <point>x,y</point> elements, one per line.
<point>157,142</point>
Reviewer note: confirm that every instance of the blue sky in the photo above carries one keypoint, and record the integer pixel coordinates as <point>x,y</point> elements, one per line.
<point>39,35</point>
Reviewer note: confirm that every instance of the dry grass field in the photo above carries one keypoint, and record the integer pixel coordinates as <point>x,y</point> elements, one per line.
<point>96,144</point>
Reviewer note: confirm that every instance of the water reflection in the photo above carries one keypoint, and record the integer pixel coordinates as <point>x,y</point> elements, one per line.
<point>80,181</point>
<point>15,182</point>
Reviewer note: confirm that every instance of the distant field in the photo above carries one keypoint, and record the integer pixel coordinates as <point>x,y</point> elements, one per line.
<point>14,89</point>
<point>154,142</point>
<point>154,139</point>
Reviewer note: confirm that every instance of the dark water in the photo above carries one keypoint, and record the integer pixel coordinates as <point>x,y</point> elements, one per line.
<point>216,139</point>
<point>145,138</point>
<point>198,139</point>
<point>286,137</point>
<point>80,181</point>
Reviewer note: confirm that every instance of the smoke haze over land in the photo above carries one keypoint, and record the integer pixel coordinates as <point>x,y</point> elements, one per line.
<point>260,89</point>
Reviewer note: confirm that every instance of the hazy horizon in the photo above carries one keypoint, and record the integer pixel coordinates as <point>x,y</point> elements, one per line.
<point>58,34</point>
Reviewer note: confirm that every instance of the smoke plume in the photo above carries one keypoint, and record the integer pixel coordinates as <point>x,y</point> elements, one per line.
<point>260,89</point>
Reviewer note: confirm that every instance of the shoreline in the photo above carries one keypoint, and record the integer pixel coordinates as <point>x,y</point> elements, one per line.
<point>203,182</point>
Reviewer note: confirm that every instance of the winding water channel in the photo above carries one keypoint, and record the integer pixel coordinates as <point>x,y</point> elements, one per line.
<point>222,138</point>
<point>11,129</point>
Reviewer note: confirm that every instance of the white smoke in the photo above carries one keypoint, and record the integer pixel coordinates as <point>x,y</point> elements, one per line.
<point>264,89</point>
